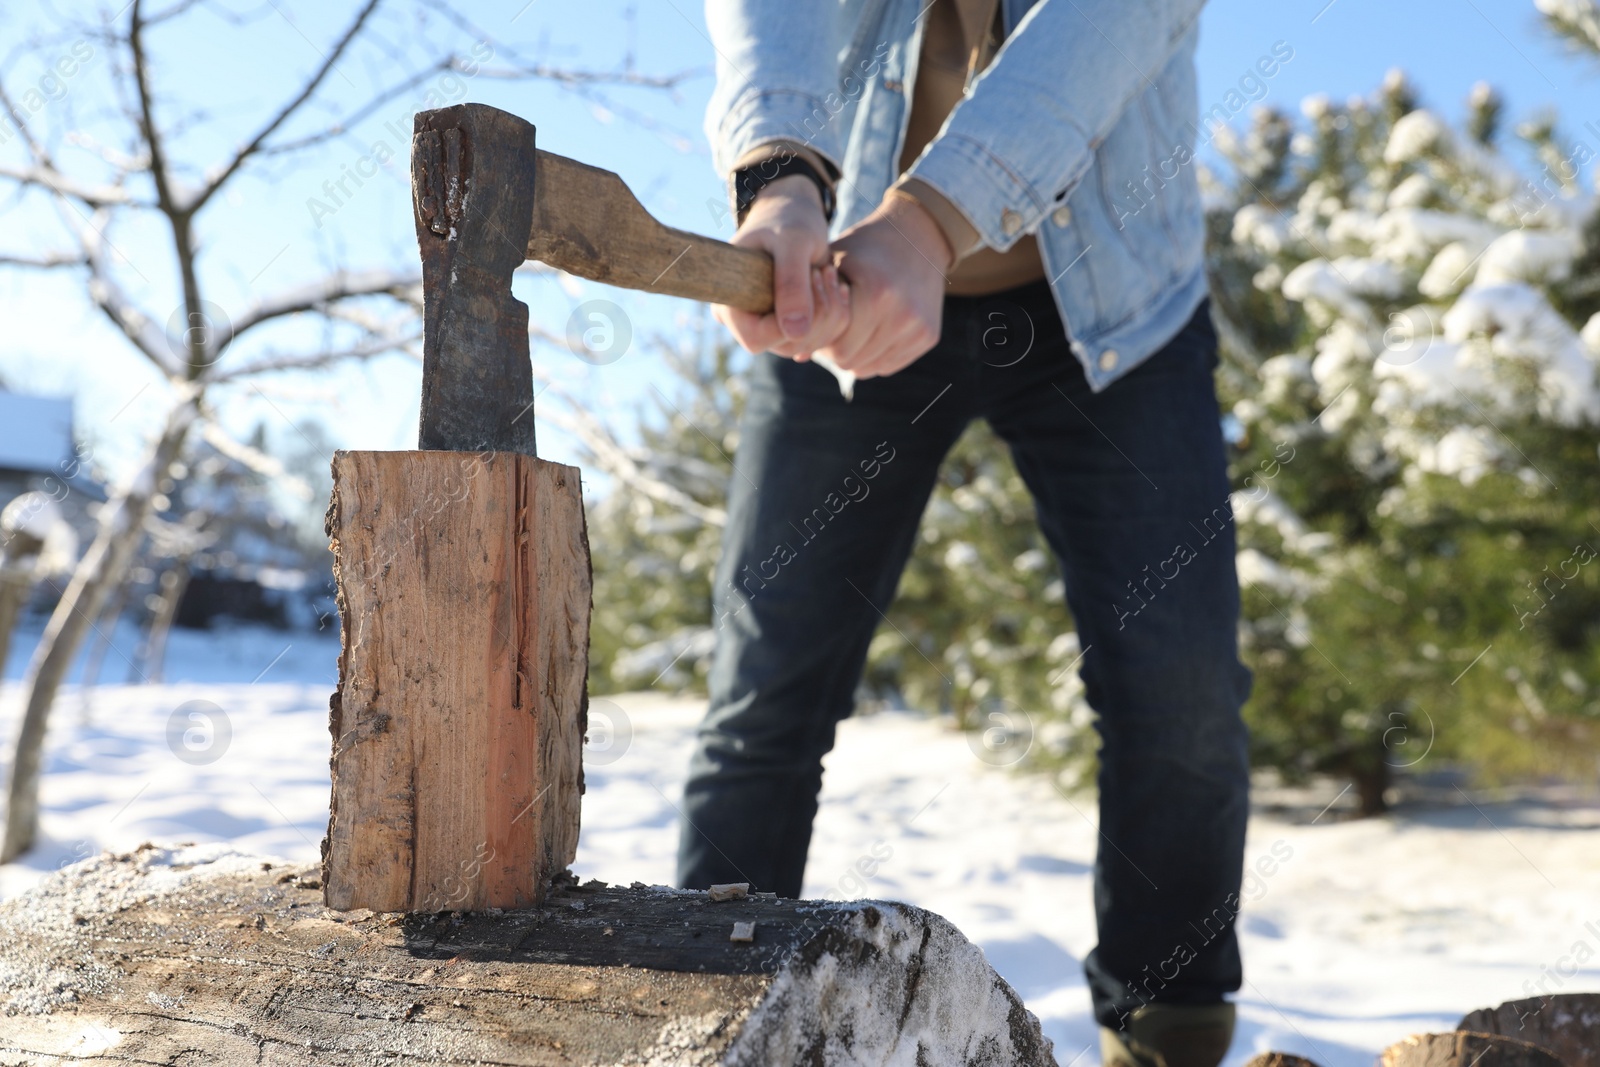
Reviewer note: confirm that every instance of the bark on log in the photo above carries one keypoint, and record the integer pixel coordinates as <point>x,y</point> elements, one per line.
<point>154,958</point>
<point>458,723</point>
<point>1567,1024</point>
<point>1463,1049</point>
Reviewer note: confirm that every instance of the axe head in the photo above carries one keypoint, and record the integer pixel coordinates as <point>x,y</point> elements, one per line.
<point>473,175</point>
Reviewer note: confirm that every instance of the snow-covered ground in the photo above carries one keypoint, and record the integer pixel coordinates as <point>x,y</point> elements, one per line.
<point>1368,931</point>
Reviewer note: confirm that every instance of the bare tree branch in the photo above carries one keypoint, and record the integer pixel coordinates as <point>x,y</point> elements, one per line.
<point>353,313</point>
<point>365,111</point>
<point>148,338</point>
<point>523,68</point>
<point>177,217</point>
<point>566,76</point>
<point>317,295</point>
<point>613,458</point>
<point>48,261</point>
<point>274,363</point>
<point>284,113</point>
<point>147,120</point>
<point>47,177</point>
<point>562,75</point>
<point>36,151</point>
<point>252,458</point>
<point>124,163</point>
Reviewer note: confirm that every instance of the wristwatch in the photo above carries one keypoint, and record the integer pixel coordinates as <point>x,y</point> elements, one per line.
<point>748,181</point>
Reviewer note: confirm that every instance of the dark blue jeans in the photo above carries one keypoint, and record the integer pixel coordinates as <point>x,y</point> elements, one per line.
<point>1131,492</point>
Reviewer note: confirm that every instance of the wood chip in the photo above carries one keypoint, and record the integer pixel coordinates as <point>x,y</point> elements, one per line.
<point>730,891</point>
<point>743,932</point>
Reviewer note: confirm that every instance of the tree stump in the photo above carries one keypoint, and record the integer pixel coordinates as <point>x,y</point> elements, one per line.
<point>1463,1049</point>
<point>458,723</point>
<point>1567,1024</point>
<point>161,957</point>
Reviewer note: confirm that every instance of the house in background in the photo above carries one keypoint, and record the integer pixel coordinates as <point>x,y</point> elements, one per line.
<point>35,442</point>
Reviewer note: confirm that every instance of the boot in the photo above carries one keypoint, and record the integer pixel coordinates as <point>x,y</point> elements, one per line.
<point>1170,1035</point>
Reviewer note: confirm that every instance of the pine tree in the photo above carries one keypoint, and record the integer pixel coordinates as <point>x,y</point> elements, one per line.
<point>1416,458</point>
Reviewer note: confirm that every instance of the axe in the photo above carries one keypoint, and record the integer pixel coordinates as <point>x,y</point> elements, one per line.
<point>487,199</point>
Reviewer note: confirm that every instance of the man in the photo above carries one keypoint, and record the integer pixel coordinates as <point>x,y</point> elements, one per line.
<point>988,164</point>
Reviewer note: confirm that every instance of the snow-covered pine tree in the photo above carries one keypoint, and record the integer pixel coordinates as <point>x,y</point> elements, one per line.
<point>1410,325</point>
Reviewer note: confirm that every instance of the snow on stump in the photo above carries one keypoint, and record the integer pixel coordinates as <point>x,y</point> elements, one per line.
<point>205,956</point>
<point>1567,1024</point>
<point>1464,1049</point>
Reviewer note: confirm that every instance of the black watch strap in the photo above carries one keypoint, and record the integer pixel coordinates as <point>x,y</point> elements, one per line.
<point>748,181</point>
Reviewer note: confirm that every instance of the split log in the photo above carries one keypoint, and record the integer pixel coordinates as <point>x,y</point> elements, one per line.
<point>156,958</point>
<point>1567,1024</point>
<point>458,722</point>
<point>1464,1049</point>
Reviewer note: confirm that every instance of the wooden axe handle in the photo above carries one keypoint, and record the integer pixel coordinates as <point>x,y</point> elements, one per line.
<point>587,222</point>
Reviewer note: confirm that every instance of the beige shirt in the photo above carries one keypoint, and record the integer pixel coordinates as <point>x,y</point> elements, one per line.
<point>959,40</point>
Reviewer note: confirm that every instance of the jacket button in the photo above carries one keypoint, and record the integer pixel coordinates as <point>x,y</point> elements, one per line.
<point>1062,216</point>
<point>1010,222</point>
<point>1108,359</point>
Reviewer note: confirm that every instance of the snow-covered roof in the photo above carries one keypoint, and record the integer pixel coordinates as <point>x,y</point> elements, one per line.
<point>35,431</point>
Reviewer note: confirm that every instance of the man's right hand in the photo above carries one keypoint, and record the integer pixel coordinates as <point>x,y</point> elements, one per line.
<point>811,303</point>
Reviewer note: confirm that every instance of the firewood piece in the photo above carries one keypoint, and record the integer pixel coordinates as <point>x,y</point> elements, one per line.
<point>1463,1049</point>
<point>155,958</point>
<point>1567,1024</point>
<point>459,718</point>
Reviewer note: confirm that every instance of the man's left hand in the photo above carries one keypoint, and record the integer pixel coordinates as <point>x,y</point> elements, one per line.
<point>895,260</point>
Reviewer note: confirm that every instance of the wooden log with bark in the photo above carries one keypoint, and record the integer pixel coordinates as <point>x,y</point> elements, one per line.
<point>1461,1048</point>
<point>197,957</point>
<point>1567,1024</point>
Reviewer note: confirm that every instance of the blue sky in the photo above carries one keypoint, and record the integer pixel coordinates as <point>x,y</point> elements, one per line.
<point>265,236</point>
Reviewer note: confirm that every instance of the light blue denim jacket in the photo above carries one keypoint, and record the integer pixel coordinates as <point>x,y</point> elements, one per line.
<point>1081,130</point>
